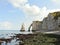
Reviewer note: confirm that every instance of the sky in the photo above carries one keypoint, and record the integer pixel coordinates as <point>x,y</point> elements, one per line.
<point>13,13</point>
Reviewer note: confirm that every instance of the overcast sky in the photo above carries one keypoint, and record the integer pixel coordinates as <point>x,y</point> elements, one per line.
<point>13,13</point>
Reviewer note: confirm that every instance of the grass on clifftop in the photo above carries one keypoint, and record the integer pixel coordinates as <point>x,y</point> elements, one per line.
<point>56,15</point>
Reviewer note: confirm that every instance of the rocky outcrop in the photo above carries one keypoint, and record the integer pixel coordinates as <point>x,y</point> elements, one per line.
<point>22,28</point>
<point>36,25</point>
<point>51,22</point>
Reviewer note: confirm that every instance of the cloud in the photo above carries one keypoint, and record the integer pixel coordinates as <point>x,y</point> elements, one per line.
<point>56,1</point>
<point>53,10</point>
<point>18,3</point>
<point>32,12</point>
<point>5,25</point>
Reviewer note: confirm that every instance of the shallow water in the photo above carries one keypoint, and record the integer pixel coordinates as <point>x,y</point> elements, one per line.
<point>8,33</point>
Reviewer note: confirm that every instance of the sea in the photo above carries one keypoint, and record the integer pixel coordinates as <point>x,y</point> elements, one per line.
<point>8,33</point>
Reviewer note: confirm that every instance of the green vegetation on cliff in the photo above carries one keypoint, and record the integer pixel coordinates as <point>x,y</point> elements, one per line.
<point>56,15</point>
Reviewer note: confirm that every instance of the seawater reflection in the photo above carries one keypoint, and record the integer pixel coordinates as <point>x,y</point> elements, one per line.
<point>7,37</point>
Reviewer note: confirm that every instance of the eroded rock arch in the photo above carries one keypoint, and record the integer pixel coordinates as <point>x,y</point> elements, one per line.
<point>29,29</point>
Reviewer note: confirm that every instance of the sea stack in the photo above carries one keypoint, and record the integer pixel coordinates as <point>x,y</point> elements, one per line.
<point>22,28</point>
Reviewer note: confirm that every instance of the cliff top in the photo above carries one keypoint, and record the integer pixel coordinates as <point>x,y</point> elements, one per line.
<point>55,14</point>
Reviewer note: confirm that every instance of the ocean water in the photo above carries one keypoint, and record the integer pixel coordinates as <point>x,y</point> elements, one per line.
<point>8,33</point>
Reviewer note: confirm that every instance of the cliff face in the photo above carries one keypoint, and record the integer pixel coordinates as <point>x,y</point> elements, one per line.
<point>36,25</point>
<point>51,22</point>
